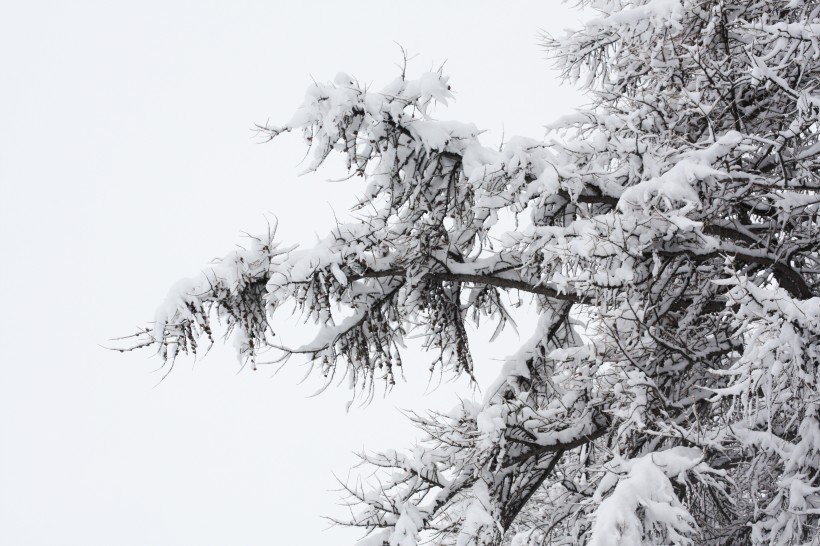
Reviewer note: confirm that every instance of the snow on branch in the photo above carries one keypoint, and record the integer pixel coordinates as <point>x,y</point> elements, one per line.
<point>665,237</point>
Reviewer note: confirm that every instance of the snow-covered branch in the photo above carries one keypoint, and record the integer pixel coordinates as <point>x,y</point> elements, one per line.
<point>675,216</point>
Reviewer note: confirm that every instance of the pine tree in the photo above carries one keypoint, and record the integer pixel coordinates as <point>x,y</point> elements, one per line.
<point>675,216</point>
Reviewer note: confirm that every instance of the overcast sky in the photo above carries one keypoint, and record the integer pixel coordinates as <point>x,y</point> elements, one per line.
<point>127,161</point>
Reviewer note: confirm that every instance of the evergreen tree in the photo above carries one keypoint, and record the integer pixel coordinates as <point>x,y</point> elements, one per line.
<point>676,216</point>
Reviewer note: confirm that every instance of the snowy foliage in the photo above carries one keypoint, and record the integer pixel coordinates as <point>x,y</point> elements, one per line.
<point>676,214</point>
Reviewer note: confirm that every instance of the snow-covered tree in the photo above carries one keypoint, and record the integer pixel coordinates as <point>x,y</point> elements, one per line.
<point>676,216</point>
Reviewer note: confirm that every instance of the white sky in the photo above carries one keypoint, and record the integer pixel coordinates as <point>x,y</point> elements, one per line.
<point>127,162</point>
